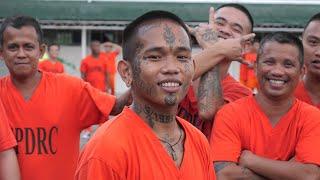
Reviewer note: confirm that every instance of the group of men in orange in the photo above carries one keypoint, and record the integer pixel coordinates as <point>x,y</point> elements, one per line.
<point>270,135</point>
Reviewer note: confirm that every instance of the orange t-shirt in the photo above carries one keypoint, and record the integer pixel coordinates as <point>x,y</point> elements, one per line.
<point>302,94</point>
<point>247,75</point>
<point>48,125</point>
<point>242,125</point>
<point>7,139</point>
<point>49,66</point>
<point>127,148</point>
<point>95,70</point>
<point>188,108</point>
<point>111,61</point>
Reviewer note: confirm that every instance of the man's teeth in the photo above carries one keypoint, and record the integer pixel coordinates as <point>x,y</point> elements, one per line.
<point>278,82</point>
<point>170,84</point>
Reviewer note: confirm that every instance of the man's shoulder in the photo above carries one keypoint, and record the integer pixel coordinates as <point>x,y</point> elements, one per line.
<point>239,105</point>
<point>63,80</point>
<point>306,110</point>
<point>233,90</point>
<point>192,131</point>
<point>110,139</point>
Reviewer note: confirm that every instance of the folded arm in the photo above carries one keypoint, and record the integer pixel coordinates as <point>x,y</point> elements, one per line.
<point>231,171</point>
<point>275,169</point>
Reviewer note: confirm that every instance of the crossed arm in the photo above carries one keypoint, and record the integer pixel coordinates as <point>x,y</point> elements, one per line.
<point>252,166</point>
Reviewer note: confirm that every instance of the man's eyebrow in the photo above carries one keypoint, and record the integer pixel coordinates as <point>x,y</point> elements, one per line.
<point>156,48</point>
<point>238,25</point>
<point>221,18</point>
<point>313,37</point>
<point>182,48</point>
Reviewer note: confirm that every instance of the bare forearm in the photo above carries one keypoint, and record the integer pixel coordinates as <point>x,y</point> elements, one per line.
<point>206,60</point>
<point>121,101</point>
<point>9,168</point>
<point>231,171</point>
<point>290,170</point>
<point>209,94</point>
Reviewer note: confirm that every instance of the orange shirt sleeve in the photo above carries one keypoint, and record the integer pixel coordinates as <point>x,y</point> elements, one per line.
<point>62,68</point>
<point>7,139</point>
<point>307,149</point>
<point>83,67</point>
<point>96,169</point>
<point>95,105</point>
<point>225,139</point>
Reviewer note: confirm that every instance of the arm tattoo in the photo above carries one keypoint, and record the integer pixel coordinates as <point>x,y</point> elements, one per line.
<point>209,36</point>
<point>210,92</point>
<point>220,165</point>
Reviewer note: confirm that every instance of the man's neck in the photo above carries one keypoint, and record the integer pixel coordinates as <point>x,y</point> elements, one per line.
<point>312,84</point>
<point>95,55</point>
<point>53,60</point>
<point>27,85</point>
<point>274,108</point>
<point>161,120</point>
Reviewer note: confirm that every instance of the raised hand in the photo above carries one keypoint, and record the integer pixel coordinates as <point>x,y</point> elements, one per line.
<point>204,33</point>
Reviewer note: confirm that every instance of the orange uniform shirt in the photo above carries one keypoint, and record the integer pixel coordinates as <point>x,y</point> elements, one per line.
<point>247,75</point>
<point>127,148</point>
<point>7,139</point>
<point>49,66</point>
<point>48,125</point>
<point>242,125</point>
<point>111,61</point>
<point>302,94</point>
<point>95,70</point>
<point>188,108</point>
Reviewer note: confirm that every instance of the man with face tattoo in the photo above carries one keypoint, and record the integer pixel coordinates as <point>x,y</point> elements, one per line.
<point>148,140</point>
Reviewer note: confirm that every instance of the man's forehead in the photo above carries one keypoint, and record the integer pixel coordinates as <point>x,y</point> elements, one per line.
<point>161,30</point>
<point>25,32</point>
<point>313,29</point>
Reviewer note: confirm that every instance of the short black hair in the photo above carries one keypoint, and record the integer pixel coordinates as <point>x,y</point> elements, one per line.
<point>240,8</point>
<point>53,44</point>
<point>18,22</point>
<point>315,17</point>
<point>282,38</point>
<point>129,42</point>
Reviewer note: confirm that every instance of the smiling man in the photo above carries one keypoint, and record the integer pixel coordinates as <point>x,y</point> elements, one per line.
<point>308,89</point>
<point>148,141</point>
<point>229,30</point>
<point>271,135</point>
<point>47,111</point>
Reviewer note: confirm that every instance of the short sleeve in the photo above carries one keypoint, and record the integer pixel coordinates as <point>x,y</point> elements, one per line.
<point>96,169</point>
<point>225,138</point>
<point>83,67</point>
<point>62,68</point>
<point>95,106</point>
<point>7,139</point>
<point>307,149</point>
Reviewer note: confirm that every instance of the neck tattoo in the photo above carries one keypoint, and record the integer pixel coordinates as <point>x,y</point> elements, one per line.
<point>172,151</point>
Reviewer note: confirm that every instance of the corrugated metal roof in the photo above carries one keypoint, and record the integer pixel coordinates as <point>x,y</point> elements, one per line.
<point>115,15</point>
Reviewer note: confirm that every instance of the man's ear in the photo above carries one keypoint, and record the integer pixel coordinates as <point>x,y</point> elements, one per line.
<point>42,50</point>
<point>125,71</point>
<point>303,71</point>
